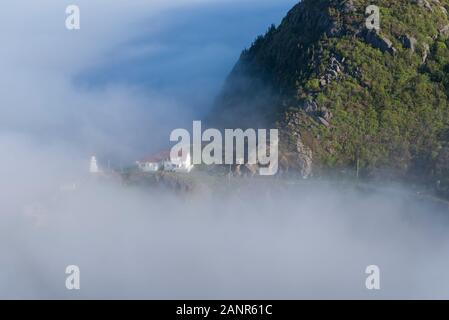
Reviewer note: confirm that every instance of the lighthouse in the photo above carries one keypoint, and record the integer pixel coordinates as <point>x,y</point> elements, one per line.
<point>93,168</point>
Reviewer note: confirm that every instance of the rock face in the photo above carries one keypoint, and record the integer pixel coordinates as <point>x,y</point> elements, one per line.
<point>426,51</point>
<point>332,72</point>
<point>444,31</point>
<point>380,42</point>
<point>343,96</point>
<point>409,42</point>
<point>305,159</point>
<point>424,4</point>
<point>348,7</point>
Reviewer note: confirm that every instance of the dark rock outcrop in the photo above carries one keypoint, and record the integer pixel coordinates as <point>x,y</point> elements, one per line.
<point>409,42</point>
<point>380,42</point>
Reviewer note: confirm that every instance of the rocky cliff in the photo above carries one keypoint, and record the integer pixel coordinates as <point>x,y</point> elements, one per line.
<point>346,97</point>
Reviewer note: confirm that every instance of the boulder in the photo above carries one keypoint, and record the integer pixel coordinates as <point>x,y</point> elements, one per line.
<point>326,114</point>
<point>324,122</point>
<point>310,106</point>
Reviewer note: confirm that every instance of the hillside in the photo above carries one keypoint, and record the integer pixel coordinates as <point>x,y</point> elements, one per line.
<point>348,98</point>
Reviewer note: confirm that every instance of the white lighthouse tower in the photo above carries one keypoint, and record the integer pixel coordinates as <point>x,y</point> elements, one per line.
<point>93,168</point>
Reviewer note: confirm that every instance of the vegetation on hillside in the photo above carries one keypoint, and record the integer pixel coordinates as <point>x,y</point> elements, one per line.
<point>358,100</point>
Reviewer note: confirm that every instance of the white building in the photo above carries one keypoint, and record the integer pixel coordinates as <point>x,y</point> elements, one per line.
<point>149,166</point>
<point>93,167</point>
<point>183,164</point>
<point>163,162</point>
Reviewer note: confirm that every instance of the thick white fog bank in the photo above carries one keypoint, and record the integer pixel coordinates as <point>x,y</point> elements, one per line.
<point>312,240</point>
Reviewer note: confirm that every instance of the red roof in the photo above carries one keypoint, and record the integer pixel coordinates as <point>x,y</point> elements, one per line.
<point>159,157</point>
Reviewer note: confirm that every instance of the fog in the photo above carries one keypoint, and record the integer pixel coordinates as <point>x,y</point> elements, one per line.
<point>266,239</point>
<point>116,88</point>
